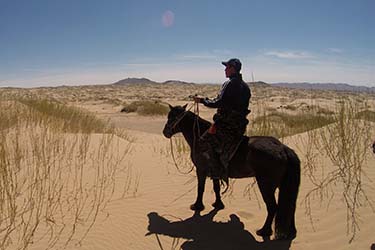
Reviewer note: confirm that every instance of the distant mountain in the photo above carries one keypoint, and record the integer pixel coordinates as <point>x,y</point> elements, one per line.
<point>177,82</point>
<point>259,84</point>
<point>326,86</point>
<point>147,81</point>
<point>302,85</point>
<point>134,81</point>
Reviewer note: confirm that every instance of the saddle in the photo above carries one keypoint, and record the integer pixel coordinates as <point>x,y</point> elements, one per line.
<point>240,146</point>
<point>238,164</point>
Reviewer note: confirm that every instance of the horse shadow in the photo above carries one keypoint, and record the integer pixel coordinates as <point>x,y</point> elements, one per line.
<point>201,233</point>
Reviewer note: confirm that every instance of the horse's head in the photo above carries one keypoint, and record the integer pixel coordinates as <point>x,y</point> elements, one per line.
<point>175,115</point>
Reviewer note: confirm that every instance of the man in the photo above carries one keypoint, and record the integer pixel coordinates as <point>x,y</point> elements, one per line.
<point>224,136</point>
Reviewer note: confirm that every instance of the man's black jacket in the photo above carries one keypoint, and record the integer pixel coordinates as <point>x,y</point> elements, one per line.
<point>234,96</point>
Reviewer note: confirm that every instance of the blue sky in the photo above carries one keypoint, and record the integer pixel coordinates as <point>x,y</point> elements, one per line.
<point>72,42</point>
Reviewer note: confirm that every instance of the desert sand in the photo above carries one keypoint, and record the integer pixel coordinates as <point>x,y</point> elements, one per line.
<point>156,214</point>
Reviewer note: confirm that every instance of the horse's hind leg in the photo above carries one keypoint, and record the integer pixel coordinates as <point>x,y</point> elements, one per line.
<point>268,193</point>
<point>218,204</point>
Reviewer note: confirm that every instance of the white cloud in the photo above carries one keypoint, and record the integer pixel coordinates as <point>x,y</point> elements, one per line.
<point>335,50</point>
<point>197,56</point>
<point>265,68</point>
<point>217,54</point>
<point>290,54</point>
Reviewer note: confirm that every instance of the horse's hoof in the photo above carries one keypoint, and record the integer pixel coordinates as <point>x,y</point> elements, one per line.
<point>197,207</point>
<point>218,205</point>
<point>264,232</point>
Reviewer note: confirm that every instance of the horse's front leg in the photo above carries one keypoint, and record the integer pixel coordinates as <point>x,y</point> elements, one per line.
<point>218,204</point>
<point>198,205</point>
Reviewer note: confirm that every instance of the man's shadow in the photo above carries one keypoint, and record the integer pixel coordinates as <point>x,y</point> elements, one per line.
<point>201,232</point>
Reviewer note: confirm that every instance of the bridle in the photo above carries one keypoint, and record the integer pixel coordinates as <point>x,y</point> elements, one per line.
<point>179,119</point>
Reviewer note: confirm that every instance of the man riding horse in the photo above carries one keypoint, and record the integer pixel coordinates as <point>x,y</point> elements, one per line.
<point>222,139</point>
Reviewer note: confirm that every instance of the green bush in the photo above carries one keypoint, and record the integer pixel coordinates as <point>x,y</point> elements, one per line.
<point>366,115</point>
<point>146,108</point>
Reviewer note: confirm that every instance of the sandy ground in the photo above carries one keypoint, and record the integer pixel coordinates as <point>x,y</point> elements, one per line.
<point>161,203</point>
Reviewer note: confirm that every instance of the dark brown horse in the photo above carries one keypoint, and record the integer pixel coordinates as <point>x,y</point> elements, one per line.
<point>273,164</point>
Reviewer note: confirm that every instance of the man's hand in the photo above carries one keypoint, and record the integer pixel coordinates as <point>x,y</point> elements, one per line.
<point>197,99</point>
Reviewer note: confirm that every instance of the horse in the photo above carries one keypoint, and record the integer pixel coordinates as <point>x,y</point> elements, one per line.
<point>272,163</point>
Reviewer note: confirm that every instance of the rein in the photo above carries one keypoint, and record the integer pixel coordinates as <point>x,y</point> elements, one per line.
<point>196,111</point>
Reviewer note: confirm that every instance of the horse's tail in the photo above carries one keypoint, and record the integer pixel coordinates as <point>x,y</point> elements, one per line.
<point>284,222</point>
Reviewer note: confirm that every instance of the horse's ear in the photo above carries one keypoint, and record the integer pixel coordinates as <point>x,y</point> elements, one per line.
<point>170,106</point>
<point>185,106</point>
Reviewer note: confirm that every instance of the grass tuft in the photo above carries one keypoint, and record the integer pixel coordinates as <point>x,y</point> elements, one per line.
<point>56,176</point>
<point>146,108</point>
<point>279,124</point>
<point>366,115</point>
<point>69,119</point>
<point>346,144</point>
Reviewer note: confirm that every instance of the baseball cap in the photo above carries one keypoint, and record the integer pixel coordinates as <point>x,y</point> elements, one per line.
<point>233,62</point>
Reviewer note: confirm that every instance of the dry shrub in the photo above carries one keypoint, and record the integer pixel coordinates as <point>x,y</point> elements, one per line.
<point>178,151</point>
<point>69,119</point>
<point>344,138</point>
<point>345,143</point>
<point>54,184</point>
<point>368,115</point>
<point>279,124</point>
<point>146,108</point>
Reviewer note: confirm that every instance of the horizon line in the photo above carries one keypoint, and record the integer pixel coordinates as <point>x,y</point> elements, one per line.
<point>41,85</point>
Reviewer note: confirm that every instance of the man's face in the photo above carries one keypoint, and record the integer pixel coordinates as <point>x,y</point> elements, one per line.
<point>229,71</point>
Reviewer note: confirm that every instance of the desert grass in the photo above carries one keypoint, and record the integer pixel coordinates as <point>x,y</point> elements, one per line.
<point>281,124</point>
<point>366,114</point>
<point>56,175</point>
<point>343,136</point>
<point>146,108</point>
<point>178,153</point>
<point>346,143</point>
<point>72,119</point>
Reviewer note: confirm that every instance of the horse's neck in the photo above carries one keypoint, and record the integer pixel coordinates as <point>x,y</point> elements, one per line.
<point>188,132</point>
<point>193,127</point>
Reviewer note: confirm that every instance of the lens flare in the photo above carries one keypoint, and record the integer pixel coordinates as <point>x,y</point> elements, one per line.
<point>168,18</point>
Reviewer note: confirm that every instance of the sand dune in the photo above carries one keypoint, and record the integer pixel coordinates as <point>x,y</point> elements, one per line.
<point>157,215</point>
